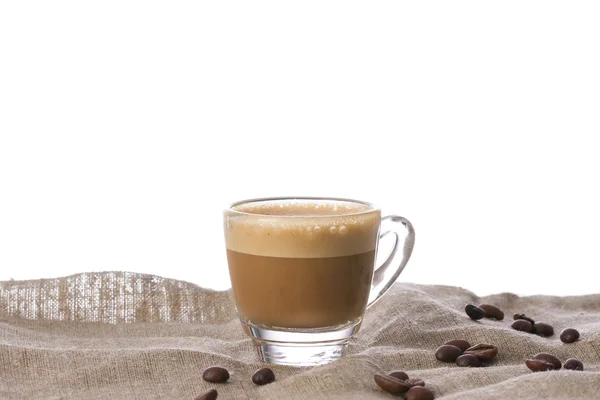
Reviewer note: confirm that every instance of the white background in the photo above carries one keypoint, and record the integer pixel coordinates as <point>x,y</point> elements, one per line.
<point>126,127</point>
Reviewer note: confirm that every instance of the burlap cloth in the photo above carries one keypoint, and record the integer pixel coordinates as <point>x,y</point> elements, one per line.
<point>130,336</point>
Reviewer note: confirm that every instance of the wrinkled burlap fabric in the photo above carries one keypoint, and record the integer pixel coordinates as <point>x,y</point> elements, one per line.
<point>117,335</point>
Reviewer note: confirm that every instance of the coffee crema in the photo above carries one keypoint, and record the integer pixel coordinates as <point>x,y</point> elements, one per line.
<point>301,263</point>
<point>302,228</point>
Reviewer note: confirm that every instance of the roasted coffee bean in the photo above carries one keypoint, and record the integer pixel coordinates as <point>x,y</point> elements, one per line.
<point>419,393</point>
<point>447,353</point>
<point>484,352</point>
<point>468,360</point>
<point>461,344</point>
<point>399,374</point>
<point>391,384</point>
<point>522,316</point>
<point>574,364</point>
<point>416,382</point>
<point>212,394</point>
<point>522,325</point>
<point>543,329</point>
<point>474,312</point>
<point>492,311</point>
<point>263,376</point>
<point>569,335</point>
<point>215,375</point>
<point>538,365</point>
<point>548,358</point>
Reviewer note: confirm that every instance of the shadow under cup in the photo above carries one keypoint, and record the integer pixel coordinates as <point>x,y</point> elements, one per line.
<point>302,272</point>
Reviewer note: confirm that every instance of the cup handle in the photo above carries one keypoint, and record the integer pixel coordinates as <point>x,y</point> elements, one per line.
<point>396,261</point>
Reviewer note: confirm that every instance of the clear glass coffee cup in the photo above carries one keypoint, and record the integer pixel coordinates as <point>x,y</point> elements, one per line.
<point>303,272</point>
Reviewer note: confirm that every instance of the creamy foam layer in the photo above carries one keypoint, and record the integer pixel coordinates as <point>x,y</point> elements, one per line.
<point>302,228</point>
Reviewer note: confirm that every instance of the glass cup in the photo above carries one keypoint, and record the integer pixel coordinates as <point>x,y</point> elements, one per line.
<point>302,272</point>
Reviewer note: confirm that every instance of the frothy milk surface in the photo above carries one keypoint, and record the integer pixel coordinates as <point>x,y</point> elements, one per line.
<point>302,228</point>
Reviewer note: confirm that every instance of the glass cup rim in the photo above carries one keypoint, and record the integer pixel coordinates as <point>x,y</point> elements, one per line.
<point>372,207</point>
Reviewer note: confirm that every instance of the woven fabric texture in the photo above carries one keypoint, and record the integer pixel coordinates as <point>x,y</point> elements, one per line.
<point>119,335</point>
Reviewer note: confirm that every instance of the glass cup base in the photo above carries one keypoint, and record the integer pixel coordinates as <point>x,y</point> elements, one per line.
<point>301,347</point>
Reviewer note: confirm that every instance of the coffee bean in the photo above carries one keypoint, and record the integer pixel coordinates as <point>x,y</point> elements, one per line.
<point>539,365</point>
<point>492,311</point>
<point>574,364</point>
<point>447,353</point>
<point>484,352</point>
<point>474,312</point>
<point>263,376</point>
<point>549,358</point>
<point>468,360</point>
<point>543,329</point>
<point>215,375</point>
<point>416,382</point>
<point>461,344</point>
<point>399,375</point>
<point>522,325</point>
<point>522,316</point>
<point>419,393</point>
<point>569,335</point>
<point>391,384</point>
<point>212,394</point>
